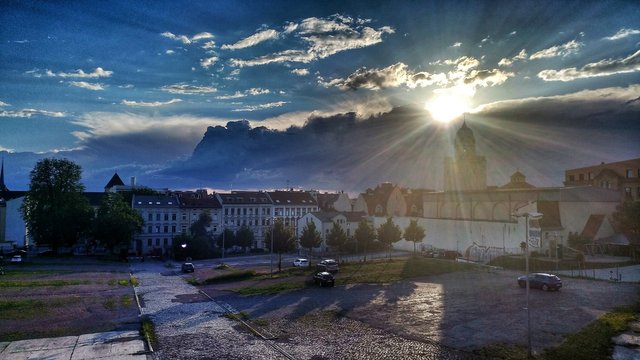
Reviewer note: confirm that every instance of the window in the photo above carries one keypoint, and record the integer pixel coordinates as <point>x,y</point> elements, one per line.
<point>166,217</point>
<point>150,230</point>
<point>149,242</point>
<point>158,217</point>
<point>591,176</point>
<point>244,212</point>
<point>173,217</point>
<point>157,242</point>
<point>166,228</point>
<point>157,228</point>
<point>627,191</point>
<point>173,228</point>
<point>150,218</point>
<point>166,241</point>
<point>572,178</point>
<point>226,211</point>
<point>184,216</point>
<point>581,177</point>
<point>629,173</point>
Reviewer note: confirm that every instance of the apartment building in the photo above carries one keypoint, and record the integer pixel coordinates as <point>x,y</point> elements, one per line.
<point>623,176</point>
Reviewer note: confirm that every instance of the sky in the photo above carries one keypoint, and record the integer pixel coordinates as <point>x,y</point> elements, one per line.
<point>328,95</point>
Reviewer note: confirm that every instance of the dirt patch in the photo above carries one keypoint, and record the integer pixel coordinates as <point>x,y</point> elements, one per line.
<point>39,300</point>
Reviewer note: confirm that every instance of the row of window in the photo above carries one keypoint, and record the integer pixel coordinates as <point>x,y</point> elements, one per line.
<point>630,173</point>
<point>162,216</point>
<point>151,229</point>
<point>247,211</point>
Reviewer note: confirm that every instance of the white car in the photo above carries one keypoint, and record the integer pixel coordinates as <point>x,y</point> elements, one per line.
<point>301,262</point>
<point>16,259</point>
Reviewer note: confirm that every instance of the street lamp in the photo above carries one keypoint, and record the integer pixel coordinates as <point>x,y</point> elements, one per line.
<point>527,238</point>
<point>223,233</point>
<point>271,256</point>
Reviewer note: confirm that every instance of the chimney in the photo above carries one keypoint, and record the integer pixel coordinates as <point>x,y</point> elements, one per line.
<point>133,182</point>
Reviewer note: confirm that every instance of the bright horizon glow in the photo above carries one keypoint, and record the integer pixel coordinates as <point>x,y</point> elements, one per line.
<point>445,108</point>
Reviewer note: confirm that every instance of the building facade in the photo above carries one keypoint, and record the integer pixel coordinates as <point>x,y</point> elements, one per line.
<point>623,176</point>
<point>161,216</point>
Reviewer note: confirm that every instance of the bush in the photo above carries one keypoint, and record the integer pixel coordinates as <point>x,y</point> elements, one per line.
<point>232,276</point>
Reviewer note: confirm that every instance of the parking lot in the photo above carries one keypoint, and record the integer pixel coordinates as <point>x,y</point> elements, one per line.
<point>463,310</point>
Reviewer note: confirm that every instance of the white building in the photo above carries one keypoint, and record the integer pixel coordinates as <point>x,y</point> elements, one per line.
<point>161,215</point>
<point>324,221</point>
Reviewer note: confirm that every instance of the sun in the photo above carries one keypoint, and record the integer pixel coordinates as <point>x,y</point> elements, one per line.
<point>445,108</point>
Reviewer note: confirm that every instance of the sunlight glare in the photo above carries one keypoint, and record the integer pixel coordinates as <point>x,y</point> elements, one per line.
<point>444,108</point>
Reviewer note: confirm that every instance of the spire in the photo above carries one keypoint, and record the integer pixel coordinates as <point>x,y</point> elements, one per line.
<point>3,187</point>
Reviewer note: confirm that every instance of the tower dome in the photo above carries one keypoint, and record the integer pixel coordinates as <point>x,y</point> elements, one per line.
<point>465,143</point>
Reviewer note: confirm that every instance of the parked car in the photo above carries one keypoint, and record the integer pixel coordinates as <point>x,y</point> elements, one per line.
<point>542,281</point>
<point>328,265</point>
<point>301,262</point>
<point>324,279</point>
<point>16,259</point>
<point>188,267</point>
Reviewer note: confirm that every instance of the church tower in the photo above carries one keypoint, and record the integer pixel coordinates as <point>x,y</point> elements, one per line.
<point>466,170</point>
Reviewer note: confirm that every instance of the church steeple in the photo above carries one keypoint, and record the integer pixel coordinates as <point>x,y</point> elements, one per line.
<point>465,142</point>
<point>3,187</point>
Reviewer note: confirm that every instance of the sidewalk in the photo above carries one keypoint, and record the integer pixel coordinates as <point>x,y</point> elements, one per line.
<point>123,345</point>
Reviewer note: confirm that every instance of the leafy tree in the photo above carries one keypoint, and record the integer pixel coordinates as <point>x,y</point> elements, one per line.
<point>336,238</point>
<point>310,237</point>
<point>54,209</point>
<point>116,222</point>
<point>227,239</point>
<point>200,228</point>
<point>414,233</point>
<point>244,237</point>
<point>365,235</point>
<point>389,233</point>
<point>281,239</point>
<point>194,247</point>
<point>627,217</point>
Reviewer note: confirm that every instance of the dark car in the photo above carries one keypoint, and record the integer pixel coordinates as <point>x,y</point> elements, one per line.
<point>188,267</point>
<point>324,279</point>
<point>542,281</point>
<point>328,265</point>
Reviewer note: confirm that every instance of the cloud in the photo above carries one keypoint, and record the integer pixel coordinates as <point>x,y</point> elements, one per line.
<point>323,36</point>
<point>188,89</point>
<point>300,72</point>
<point>522,55</point>
<point>250,108</point>
<point>249,92</point>
<point>614,105</point>
<point>209,45</point>
<point>3,104</point>
<point>169,52</point>
<point>86,85</point>
<point>486,78</point>
<point>27,113</point>
<point>457,44</point>
<point>601,68</point>
<point>150,104</point>
<point>205,63</point>
<point>253,40</point>
<point>570,48</point>
<point>622,33</point>
<point>96,73</point>
<point>186,39</point>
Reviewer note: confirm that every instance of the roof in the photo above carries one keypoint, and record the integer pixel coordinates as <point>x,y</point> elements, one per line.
<point>378,196</point>
<point>115,181</point>
<point>550,215</point>
<point>300,198</point>
<point>200,203</point>
<point>592,226</point>
<point>245,198</point>
<point>326,201</point>
<point>154,201</point>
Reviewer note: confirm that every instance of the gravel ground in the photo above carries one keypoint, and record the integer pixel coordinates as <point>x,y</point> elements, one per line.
<point>437,317</point>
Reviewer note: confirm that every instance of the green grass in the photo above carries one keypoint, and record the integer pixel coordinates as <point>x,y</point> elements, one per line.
<point>230,276</point>
<point>126,300</point>
<point>149,332</point>
<point>385,271</point>
<point>592,342</point>
<point>18,283</point>
<point>28,308</point>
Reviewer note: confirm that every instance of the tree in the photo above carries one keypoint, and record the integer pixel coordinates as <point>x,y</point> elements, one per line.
<point>116,222</point>
<point>414,233</point>
<point>389,233</point>
<point>365,235</point>
<point>244,237</point>
<point>227,239</point>
<point>54,208</point>
<point>283,240</point>
<point>200,228</point>
<point>310,237</point>
<point>194,247</point>
<point>627,217</point>
<point>336,238</point>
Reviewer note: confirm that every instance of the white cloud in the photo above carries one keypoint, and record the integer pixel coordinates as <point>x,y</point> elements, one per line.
<point>235,95</point>
<point>572,47</point>
<point>31,112</point>
<point>96,73</point>
<point>601,68</point>
<point>169,52</point>
<point>250,92</point>
<point>257,91</point>
<point>126,86</point>
<point>186,39</point>
<point>150,104</point>
<point>270,105</point>
<point>205,63</point>
<point>209,45</point>
<point>253,40</point>
<point>457,44</point>
<point>86,85</point>
<point>324,37</point>
<point>2,148</point>
<point>622,33</point>
<point>188,89</point>
<point>300,72</point>
<point>3,104</point>
<point>522,55</point>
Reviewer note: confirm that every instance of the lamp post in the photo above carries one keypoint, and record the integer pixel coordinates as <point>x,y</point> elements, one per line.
<point>223,233</point>
<point>527,216</point>
<point>271,255</point>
